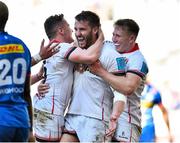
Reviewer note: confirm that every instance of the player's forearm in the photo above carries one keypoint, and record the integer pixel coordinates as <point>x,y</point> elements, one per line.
<point>35,59</point>
<point>35,78</point>
<point>124,84</point>
<point>94,51</point>
<point>166,118</point>
<point>118,108</point>
<point>168,126</point>
<point>33,62</point>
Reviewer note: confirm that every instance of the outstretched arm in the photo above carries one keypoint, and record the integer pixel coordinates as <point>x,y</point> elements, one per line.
<point>45,52</point>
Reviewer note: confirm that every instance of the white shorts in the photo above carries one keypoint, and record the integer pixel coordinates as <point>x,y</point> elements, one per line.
<point>127,132</point>
<point>86,128</point>
<point>48,126</point>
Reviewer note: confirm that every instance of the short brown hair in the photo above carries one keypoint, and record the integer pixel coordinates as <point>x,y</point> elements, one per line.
<point>51,24</point>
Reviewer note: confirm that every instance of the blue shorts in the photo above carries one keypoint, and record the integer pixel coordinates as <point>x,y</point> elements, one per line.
<point>13,134</point>
<point>148,134</point>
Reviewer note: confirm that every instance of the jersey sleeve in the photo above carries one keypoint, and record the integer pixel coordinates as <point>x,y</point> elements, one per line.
<point>66,49</point>
<point>136,64</point>
<point>111,60</point>
<point>157,96</point>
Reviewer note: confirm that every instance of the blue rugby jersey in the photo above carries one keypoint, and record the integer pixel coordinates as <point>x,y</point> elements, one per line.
<point>15,64</point>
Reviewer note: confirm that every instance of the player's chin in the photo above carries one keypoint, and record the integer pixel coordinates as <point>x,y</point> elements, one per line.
<point>82,45</point>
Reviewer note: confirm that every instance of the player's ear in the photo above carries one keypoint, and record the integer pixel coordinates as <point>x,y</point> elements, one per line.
<point>132,38</point>
<point>61,30</point>
<point>96,30</point>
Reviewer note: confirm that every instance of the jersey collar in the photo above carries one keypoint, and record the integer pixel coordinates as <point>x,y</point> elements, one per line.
<point>136,47</point>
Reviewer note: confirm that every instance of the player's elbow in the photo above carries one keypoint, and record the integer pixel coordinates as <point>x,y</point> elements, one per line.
<point>129,90</point>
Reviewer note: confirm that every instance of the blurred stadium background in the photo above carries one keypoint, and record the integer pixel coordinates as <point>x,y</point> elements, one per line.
<point>159,22</point>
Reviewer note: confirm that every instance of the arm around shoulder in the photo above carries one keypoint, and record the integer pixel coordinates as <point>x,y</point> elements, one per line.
<point>90,55</point>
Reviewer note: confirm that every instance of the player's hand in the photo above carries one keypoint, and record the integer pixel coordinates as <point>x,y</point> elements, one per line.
<point>96,68</point>
<point>112,127</point>
<point>43,88</point>
<point>75,43</point>
<point>49,50</point>
<point>100,35</point>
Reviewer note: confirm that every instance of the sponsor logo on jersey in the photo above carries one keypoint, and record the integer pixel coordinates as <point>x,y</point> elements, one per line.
<point>121,63</point>
<point>11,48</point>
<point>12,90</point>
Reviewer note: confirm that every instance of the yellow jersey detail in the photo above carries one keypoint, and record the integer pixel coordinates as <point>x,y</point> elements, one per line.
<point>11,48</point>
<point>146,104</point>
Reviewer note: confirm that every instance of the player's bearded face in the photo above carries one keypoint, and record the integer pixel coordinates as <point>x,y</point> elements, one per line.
<point>87,41</point>
<point>84,34</point>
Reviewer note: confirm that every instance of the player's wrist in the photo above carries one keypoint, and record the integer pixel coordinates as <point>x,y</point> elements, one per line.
<point>37,58</point>
<point>113,118</point>
<point>39,76</point>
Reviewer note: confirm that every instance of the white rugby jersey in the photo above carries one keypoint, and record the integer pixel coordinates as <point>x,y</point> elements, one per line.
<point>136,64</point>
<point>92,96</point>
<point>59,72</point>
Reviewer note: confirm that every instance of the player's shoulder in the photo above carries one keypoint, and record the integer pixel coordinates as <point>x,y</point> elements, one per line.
<point>64,47</point>
<point>107,42</point>
<point>15,39</point>
<point>109,51</point>
<point>11,40</point>
<point>133,56</point>
<point>65,44</point>
<point>108,45</point>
